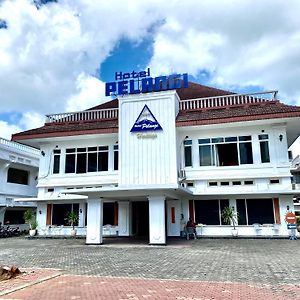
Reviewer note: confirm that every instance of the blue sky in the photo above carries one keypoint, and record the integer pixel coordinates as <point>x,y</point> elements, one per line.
<point>57,55</point>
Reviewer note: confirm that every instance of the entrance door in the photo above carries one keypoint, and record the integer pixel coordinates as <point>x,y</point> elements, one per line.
<point>140,218</point>
<point>173,217</point>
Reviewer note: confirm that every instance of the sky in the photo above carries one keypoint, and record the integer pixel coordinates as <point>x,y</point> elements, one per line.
<point>56,55</point>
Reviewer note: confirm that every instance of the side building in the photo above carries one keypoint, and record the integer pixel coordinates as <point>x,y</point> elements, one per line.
<point>18,178</point>
<point>144,164</point>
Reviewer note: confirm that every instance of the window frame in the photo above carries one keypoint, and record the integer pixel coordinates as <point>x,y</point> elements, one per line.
<point>88,150</point>
<point>213,142</point>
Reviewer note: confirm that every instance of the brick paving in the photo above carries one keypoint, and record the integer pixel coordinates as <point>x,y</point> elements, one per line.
<point>184,270</point>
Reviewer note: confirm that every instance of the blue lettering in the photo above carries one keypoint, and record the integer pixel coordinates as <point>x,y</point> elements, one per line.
<point>185,80</point>
<point>148,72</point>
<point>119,76</point>
<point>174,81</point>
<point>142,74</point>
<point>110,87</point>
<point>134,74</point>
<point>132,89</point>
<point>122,87</point>
<point>147,85</point>
<point>126,75</point>
<point>160,83</point>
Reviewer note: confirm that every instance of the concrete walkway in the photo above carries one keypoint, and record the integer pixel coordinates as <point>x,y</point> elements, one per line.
<point>201,269</point>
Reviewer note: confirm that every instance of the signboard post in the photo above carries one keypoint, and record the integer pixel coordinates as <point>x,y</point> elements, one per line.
<point>291,218</point>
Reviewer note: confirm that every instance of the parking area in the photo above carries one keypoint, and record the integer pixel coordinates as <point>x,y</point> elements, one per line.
<point>263,264</point>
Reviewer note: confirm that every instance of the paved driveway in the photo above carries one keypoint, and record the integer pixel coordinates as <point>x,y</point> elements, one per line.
<point>220,260</point>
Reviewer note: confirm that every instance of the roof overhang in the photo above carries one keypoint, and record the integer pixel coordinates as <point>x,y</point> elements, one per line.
<point>56,197</point>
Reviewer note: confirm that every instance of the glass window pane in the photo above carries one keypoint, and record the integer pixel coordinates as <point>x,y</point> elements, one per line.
<point>227,154</point>
<point>92,162</point>
<point>92,148</point>
<point>241,209</point>
<point>206,153</point>
<point>116,147</point>
<point>231,139</point>
<point>260,211</point>
<point>116,160</point>
<point>17,176</point>
<point>81,149</point>
<point>108,213</point>
<point>264,152</point>
<point>204,141</point>
<point>188,156</point>
<point>70,163</point>
<point>189,142</point>
<point>207,212</point>
<point>103,148</point>
<point>60,213</point>
<point>245,138</point>
<point>263,137</point>
<point>76,210</point>
<point>223,204</point>
<point>103,161</point>
<point>217,140</point>
<point>56,151</point>
<point>71,150</point>
<point>56,164</point>
<point>246,156</point>
<point>81,163</point>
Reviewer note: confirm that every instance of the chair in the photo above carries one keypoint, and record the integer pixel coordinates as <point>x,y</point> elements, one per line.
<point>190,231</point>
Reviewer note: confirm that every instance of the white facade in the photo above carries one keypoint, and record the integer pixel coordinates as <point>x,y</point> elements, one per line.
<point>154,191</point>
<point>16,160</point>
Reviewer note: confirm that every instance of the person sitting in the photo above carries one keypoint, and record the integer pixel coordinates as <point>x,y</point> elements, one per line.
<point>191,228</point>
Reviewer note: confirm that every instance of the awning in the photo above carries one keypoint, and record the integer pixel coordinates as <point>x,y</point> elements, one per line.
<point>53,197</point>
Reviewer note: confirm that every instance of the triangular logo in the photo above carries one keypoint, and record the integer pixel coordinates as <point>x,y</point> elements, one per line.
<point>145,121</point>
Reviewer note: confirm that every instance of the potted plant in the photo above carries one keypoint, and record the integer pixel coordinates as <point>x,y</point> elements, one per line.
<point>31,221</point>
<point>72,219</point>
<point>230,217</point>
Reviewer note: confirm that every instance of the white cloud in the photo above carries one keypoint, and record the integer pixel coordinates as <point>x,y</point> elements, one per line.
<point>89,92</point>
<point>239,42</point>
<point>49,56</point>
<point>8,129</point>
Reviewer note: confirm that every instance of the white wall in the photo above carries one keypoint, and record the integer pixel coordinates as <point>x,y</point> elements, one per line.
<point>148,161</point>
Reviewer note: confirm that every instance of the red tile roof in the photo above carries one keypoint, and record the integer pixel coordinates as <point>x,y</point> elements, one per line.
<point>249,112</point>
<point>255,111</point>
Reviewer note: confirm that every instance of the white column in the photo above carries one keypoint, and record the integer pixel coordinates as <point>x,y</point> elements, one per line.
<point>94,221</point>
<point>157,222</point>
<point>124,218</point>
<point>81,220</point>
<point>2,213</point>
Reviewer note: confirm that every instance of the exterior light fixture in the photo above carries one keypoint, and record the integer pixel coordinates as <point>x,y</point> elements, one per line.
<point>287,207</point>
<point>80,210</point>
<point>43,153</point>
<point>40,212</point>
<point>280,137</point>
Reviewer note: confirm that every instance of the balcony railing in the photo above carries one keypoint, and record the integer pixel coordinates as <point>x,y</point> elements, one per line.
<point>88,115</point>
<point>199,103</point>
<point>227,100</point>
<point>16,146</point>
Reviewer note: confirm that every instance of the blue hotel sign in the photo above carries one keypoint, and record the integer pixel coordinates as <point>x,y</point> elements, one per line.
<point>142,82</point>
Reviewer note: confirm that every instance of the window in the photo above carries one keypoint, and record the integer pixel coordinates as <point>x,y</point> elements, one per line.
<point>17,176</point>
<point>213,183</point>
<point>248,182</point>
<point>255,211</point>
<point>60,213</point>
<point>108,213</point>
<point>188,153</point>
<point>274,181</point>
<point>116,157</point>
<point>228,151</point>
<point>264,148</point>
<point>56,161</point>
<point>209,211</point>
<point>83,160</point>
